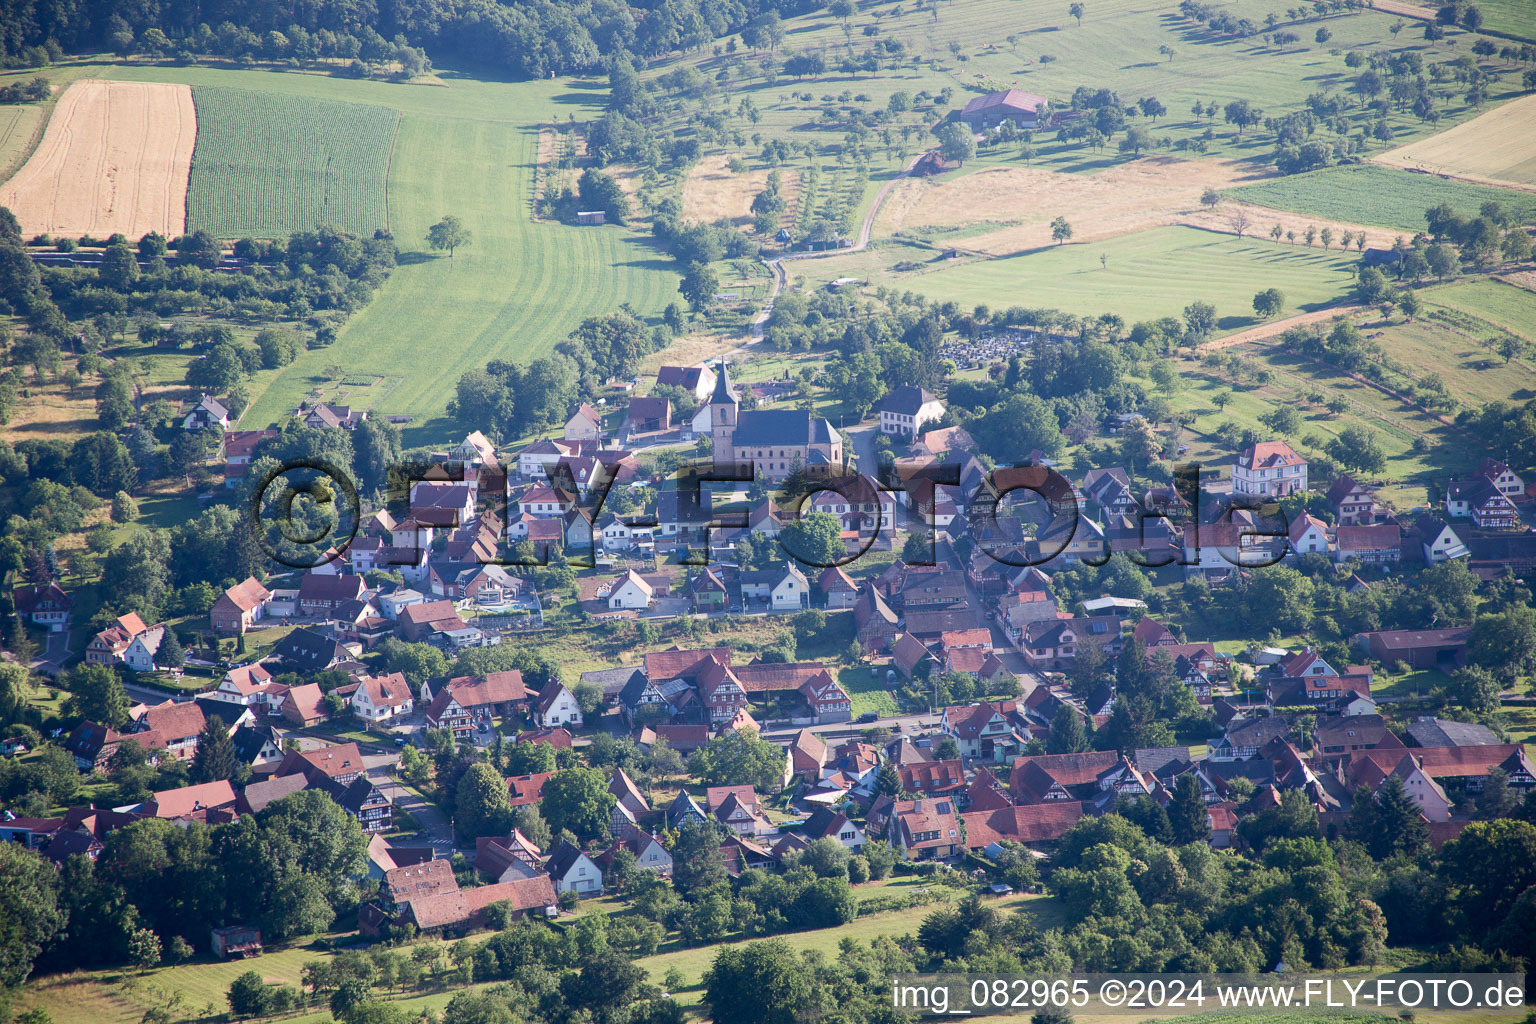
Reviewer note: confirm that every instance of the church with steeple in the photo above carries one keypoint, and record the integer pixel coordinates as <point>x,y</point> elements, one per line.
<point>776,441</point>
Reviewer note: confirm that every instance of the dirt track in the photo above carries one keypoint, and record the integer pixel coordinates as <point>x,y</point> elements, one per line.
<point>1277,327</point>
<point>115,158</point>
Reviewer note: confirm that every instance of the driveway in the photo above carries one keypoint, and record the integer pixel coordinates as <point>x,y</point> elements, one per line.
<point>435,828</point>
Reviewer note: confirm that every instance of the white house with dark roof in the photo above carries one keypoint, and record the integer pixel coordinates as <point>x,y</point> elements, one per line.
<point>907,409</point>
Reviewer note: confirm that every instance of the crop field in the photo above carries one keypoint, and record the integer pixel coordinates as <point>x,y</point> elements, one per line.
<point>1499,146</point>
<point>1384,196</point>
<point>267,165</point>
<point>467,148</point>
<point>1142,276</point>
<point>114,158</point>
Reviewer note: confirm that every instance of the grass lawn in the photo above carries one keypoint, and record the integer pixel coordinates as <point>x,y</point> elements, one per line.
<point>866,688</point>
<point>467,148</point>
<point>1143,276</point>
<point>1365,193</point>
<point>1500,307</point>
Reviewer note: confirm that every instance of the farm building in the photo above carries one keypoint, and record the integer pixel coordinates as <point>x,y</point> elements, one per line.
<point>591,217</point>
<point>236,939</point>
<point>991,110</point>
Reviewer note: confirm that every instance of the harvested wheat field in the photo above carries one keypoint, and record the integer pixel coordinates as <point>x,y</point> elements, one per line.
<point>1496,148</point>
<point>713,192</point>
<point>115,157</point>
<point>1134,196</point>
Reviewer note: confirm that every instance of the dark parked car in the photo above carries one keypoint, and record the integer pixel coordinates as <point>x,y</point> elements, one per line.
<point>869,716</point>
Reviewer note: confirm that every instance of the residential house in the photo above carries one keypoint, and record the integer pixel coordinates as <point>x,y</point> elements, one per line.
<point>337,417</point>
<point>209,803</point>
<point>45,605</point>
<point>1111,490</point>
<point>585,424</point>
<point>630,807</point>
<point>573,871</point>
<point>932,778</point>
<point>825,823</point>
<point>1045,778</point>
<point>339,762</point>
<point>240,607</point>
<point>1438,541</point>
<point>1308,535</point>
<point>988,731</point>
<point>1269,469</point>
<point>306,651</point>
<point>837,589</point>
<point>807,756</point>
<point>321,594</point>
<point>507,858</point>
<point>465,701</point>
<point>1338,736</point>
<point>526,790</point>
<point>783,590</point>
<point>736,808</point>
<point>1377,544</point>
<point>876,625</point>
<point>208,412</point>
<point>826,699</point>
<point>1480,499</point>
<point>905,410</point>
<point>382,698</point>
<point>1353,502</point>
<point>1053,644</point>
<point>647,849</point>
<point>304,706</point>
<point>1033,825</point>
<point>239,449</point>
<point>110,646</point>
<point>925,828</point>
<point>630,591</point>
<point>556,707</point>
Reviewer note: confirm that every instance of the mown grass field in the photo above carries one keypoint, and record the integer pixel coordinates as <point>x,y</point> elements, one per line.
<point>1363,193</point>
<point>467,148</point>
<point>267,165</point>
<point>1143,276</point>
<point>1514,17</point>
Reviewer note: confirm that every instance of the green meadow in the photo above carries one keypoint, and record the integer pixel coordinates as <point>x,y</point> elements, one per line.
<point>1142,276</point>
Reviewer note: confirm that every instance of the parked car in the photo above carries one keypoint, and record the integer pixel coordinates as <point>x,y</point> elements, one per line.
<point>869,716</point>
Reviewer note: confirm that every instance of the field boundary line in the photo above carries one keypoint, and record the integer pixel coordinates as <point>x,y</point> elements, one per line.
<point>389,166</point>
